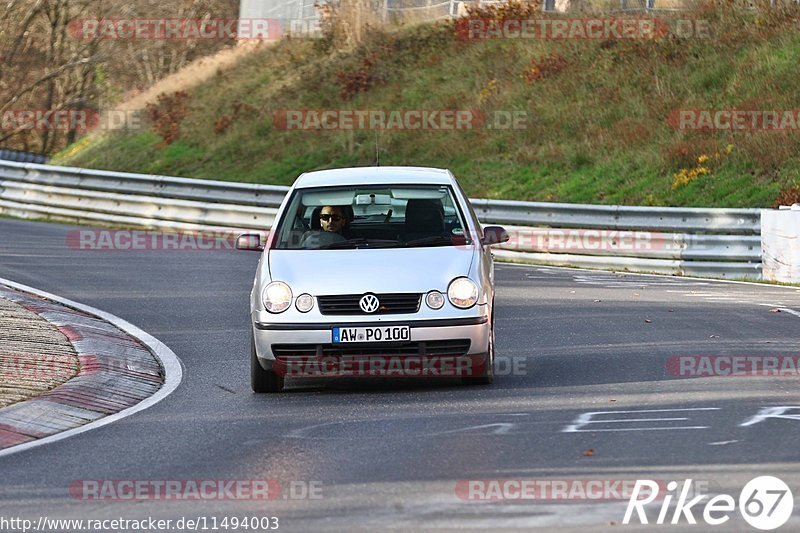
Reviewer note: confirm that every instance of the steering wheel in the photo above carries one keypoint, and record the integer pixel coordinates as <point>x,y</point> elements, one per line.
<point>314,239</point>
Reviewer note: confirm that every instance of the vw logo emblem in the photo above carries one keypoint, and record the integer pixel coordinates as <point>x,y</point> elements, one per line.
<point>369,303</point>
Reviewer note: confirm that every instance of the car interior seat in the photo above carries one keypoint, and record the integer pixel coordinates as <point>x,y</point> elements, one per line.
<point>424,217</point>
<point>315,225</point>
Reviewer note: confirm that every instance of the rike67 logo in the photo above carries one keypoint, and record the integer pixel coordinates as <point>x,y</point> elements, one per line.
<point>766,503</point>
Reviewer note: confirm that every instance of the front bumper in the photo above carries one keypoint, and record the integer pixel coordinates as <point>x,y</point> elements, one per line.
<point>476,329</point>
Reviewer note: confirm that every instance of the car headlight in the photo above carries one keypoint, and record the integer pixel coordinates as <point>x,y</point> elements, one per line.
<point>304,303</point>
<point>277,297</point>
<point>434,300</point>
<point>463,293</point>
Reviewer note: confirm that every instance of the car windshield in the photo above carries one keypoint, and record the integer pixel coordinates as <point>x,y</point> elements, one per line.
<point>372,217</point>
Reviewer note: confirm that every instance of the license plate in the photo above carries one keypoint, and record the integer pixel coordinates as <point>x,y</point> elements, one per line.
<point>344,335</point>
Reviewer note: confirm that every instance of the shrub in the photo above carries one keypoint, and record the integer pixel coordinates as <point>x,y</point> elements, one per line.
<point>223,122</point>
<point>704,166</point>
<point>788,196</point>
<point>166,116</point>
<point>544,67</point>
<point>352,82</point>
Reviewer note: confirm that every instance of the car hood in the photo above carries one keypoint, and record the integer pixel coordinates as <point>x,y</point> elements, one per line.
<point>376,270</point>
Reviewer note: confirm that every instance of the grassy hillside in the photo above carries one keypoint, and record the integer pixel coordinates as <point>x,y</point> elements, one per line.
<point>597,130</point>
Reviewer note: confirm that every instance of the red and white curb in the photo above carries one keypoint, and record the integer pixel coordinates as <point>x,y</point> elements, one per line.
<point>123,370</point>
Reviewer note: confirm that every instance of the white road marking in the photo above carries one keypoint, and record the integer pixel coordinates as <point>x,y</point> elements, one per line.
<point>641,429</point>
<point>608,283</point>
<point>614,282</point>
<point>173,371</point>
<point>783,309</point>
<point>772,412</point>
<point>738,298</point>
<point>722,442</point>
<point>689,280</point>
<point>502,428</point>
<point>304,432</point>
<point>586,419</point>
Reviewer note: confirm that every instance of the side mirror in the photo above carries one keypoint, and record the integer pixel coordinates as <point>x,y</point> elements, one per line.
<point>249,241</point>
<point>494,235</point>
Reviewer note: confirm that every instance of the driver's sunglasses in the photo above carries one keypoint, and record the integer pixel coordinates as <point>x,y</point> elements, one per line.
<point>327,216</point>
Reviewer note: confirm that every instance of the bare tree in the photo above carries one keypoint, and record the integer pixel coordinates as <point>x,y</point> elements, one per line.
<point>48,65</point>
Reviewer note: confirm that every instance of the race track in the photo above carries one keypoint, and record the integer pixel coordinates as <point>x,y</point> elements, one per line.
<point>390,454</point>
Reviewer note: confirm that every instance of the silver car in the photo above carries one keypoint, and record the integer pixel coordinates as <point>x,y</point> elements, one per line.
<point>375,271</point>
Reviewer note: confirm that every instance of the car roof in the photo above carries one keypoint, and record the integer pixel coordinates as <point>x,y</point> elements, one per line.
<point>374,176</point>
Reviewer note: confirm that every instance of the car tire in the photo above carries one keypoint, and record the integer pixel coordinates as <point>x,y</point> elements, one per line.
<point>486,376</point>
<point>262,380</point>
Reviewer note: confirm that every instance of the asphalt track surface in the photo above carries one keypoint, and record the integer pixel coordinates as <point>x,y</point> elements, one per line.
<point>389,454</point>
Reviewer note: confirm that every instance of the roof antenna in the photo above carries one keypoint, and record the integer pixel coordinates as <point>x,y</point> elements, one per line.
<point>377,151</point>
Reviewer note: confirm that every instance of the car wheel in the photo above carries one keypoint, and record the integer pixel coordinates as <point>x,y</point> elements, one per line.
<point>262,380</point>
<point>486,375</point>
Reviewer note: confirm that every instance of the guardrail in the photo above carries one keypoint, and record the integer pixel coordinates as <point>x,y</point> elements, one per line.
<point>681,241</point>
<point>22,157</point>
<point>677,219</point>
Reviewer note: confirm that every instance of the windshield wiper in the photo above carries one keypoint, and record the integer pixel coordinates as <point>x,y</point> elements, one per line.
<point>361,242</point>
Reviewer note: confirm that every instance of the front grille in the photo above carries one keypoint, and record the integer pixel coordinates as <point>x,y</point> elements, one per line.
<point>454,347</point>
<point>390,304</point>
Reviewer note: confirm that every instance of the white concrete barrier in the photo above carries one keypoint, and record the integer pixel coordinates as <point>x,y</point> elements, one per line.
<point>780,244</point>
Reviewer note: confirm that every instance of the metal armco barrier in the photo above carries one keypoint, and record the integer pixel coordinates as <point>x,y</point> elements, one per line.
<point>723,243</point>
<point>22,157</point>
<point>678,219</point>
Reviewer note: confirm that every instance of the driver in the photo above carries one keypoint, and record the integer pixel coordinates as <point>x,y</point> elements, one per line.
<point>332,218</point>
<point>331,225</point>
